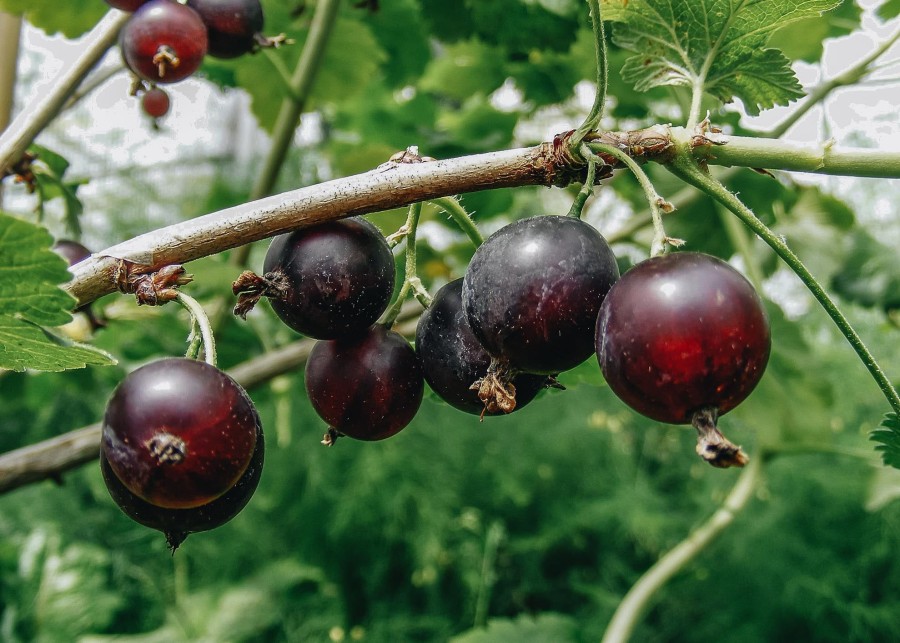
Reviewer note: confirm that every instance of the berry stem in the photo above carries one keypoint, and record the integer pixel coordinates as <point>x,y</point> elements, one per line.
<point>199,322</point>
<point>661,241</point>
<point>592,122</point>
<point>637,599</point>
<point>411,280</point>
<point>712,445</point>
<point>686,168</point>
<point>587,187</point>
<point>284,74</point>
<point>452,206</point>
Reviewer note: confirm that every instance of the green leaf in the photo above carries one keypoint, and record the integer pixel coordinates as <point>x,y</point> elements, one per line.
<point>870,274</point>
<point>803,39</point>
<point>888,438</point>
<point>398,27</point>
<point>71,18</point>
<point>30,274</point>
<point>49,170</point>
<point>890,9</point>
<point>545,628</point>
<point>352,58</point>
<point>30,298</point>
<point>521,26</point>
<point>717,46</point>
<point>465,68</point>
<point>26,345</point>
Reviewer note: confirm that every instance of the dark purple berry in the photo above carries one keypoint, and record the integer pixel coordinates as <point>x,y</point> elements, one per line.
<point>533,290</point>
<point>369,387</point>
<point>155,102</point>
<point>453,360</point>
<point>126,5</point>
<point>163,41</point>
<point>176,524</point>
<point>179,433</point>
<point>234,26</point>
<point>681,333</point>
<point>336,278</point>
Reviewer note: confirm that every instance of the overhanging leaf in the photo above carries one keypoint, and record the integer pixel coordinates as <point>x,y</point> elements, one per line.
<point>30,298</point>
<point>803,39</point>
<point>30,274</point>
<point>72,18</point>
<point>717,46</point>
<point>888,438</point>
<point>890,9</point>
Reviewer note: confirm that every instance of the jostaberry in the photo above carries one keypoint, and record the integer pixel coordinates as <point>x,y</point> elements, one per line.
<point>368,388</point>
<point>163,41</point>
<point>683,338</point>
<point>155,102</point>
<point>328,281</point>
<point>126,5</point>
<point>234,26</point>
<point>453,360</point>
<point>532,292</point>
<point>179,432</point>
<point>177,524</point>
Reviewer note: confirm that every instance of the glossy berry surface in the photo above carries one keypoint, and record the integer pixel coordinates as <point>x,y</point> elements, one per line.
<point>155,102</point>
<point>452,358</point>
<point>176,524</point>
<point>368,388</point>
<point>179,433</point>
<point>163,41</point>
<point>340,277</point>
<point>532,292</point>
<point>232,25</point>
<point>126,5</point>
<point>682,332</point>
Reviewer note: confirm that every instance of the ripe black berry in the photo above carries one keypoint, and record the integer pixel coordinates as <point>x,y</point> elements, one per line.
<point>327,281</point>
<point>176,524</point>
<point>155,102</point>
<point>682,332</point>
<point>71,251</point>
<point>126,5</point>
<point>453,360</point>
<point>368,388</point>
<point>179,433</point>
<point>533,289</point>
<point>233,25</point>
<point>163,41</point>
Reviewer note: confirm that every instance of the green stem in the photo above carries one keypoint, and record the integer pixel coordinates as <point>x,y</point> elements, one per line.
<point>411,279</point>
<point>452,206</point>
<point>819,158</point>
<point>687,169</point>
<point>637,600</point>
<point>492,541</point>
<point>740,239</point>
<point>300,84</point>
<point>283,73</point>
<point>587,188</point>
<point>31,121</point>
<point>199,321</point>
<point>592,122</point>
<point>822,90</point>
<point>660,239</point>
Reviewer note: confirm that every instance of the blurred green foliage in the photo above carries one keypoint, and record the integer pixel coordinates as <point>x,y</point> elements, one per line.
<point>526,528</point>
